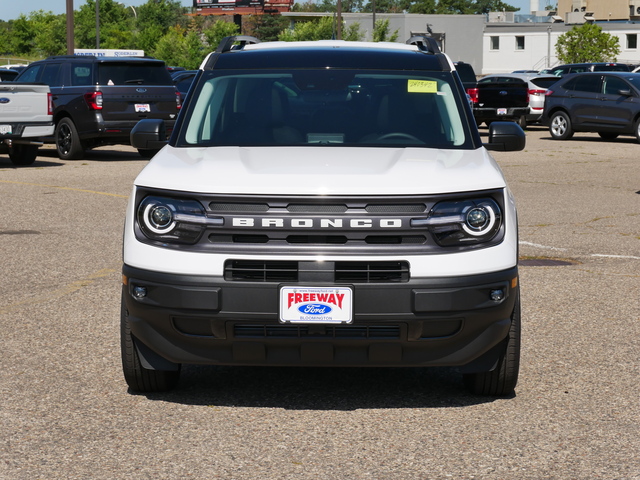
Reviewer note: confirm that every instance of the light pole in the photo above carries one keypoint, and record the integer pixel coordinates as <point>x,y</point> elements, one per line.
<point>135,14</point>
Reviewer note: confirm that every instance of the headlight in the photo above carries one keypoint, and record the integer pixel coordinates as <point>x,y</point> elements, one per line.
<point>173,220</point>
<point>464,222</point>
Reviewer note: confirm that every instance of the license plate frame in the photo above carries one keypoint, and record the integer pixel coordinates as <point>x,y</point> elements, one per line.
<point>316,305</point>
<point>142,108</point>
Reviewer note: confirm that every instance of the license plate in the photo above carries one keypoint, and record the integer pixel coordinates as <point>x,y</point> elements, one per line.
<point>502,111</point>
<point>5,129</point>
<point>143,108</point>
<point>316,305</point>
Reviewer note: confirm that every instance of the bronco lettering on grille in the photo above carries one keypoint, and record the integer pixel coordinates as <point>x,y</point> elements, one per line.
<point>316,222</point>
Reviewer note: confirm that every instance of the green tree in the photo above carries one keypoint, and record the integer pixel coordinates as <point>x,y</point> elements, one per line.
<point>381,32</point>
<point>180,47</point>
<point>348,6</point>
<point>265,27</point>
<point>217,31</point>
<point>116,25</point>
<point>587,43</point>
<point>154,20</point>
<point>425,7</point>
<point>387,6</point>
<point>486,6</point>
<point>320,29</point>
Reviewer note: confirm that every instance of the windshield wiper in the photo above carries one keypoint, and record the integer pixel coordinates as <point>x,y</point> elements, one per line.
<point>135,80</point>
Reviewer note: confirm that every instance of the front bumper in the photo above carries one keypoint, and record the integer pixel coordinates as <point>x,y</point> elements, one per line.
<point>445,321</point>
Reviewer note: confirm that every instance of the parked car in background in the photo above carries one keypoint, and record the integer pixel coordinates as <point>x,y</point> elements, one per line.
<point>183,80</point>
<point>469,80</point>
<point>25,116</point>
<point>604,102</point>
<point>98,100</point>
<point>8,75</point>
<point>501,99</point>
<point>561,70</point>
<point>537,85</point>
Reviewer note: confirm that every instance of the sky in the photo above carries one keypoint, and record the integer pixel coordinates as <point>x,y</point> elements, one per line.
<point>11,9</point>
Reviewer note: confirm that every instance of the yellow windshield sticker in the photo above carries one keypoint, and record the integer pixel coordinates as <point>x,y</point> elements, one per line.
<point>422,86</point>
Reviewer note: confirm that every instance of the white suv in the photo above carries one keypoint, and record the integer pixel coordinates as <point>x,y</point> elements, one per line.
<point>323,204</point>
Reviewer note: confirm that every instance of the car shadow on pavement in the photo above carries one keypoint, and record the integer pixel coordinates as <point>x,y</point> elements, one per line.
<point>6,163</point>
<point>308,388</point>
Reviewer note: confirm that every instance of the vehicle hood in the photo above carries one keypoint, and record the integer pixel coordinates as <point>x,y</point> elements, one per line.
<point>321,170</point>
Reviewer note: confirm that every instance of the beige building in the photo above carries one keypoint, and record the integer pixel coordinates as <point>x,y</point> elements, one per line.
<point>600,10</point>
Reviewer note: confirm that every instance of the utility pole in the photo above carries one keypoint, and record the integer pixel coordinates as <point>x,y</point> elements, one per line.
<point>373,9</point>
<point>69,27</point>
<point>339,20</point>
<point>97,23</point>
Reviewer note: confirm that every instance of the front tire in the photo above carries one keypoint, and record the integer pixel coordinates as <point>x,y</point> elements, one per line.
<point>140,379</point>
<point>522,121</point>
<point>502,380</point>
<point>68,142</point>
<point>21,154</point>
<point>636,129</point>
<point>560,126</point>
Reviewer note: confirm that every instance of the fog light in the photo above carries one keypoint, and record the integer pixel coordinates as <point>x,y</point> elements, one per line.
<point>497,295</point>
<point>139,292</point>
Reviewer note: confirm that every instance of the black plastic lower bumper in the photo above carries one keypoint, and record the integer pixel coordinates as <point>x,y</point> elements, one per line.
<point>423,322</point>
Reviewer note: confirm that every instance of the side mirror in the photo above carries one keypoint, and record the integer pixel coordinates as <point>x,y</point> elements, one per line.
<point>625,92</point>
<point>149,134</point>
<point>505,137</point>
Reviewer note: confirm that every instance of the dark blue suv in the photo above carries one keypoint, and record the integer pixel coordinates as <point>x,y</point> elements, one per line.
<point>604,102</point>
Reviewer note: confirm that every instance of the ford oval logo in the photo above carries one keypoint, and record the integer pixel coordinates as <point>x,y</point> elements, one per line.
<point>4,100</point>
<point>502,92</point>
<point>314,309</point>
<point>141,90</point>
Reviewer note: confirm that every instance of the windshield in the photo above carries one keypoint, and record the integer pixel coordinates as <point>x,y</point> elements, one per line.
<point>326,107</point>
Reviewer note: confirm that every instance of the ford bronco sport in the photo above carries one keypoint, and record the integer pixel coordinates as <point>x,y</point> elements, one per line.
<point>322,204</point>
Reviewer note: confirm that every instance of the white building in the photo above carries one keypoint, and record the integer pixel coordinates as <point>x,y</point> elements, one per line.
<point>496,43</point>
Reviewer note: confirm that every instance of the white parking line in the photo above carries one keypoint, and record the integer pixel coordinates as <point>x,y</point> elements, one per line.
<point>547,247</point>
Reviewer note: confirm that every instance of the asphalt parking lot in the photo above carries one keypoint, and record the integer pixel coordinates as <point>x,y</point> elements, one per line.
<point>66,412</point>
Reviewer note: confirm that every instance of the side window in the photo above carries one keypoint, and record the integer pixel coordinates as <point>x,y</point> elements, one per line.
<point>613,85</point>
<point>51,75</point>
<point>81,74</point>
<point>30,75</point>
<point>588,83</point>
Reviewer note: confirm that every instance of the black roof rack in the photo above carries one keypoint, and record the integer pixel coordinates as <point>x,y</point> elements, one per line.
<point>427,44</point>
<point>227,43</point>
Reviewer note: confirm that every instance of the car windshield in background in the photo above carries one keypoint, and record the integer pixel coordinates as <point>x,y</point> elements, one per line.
<point>129,73</point>
<point>326,107</point>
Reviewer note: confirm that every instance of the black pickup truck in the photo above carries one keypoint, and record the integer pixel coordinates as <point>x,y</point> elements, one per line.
<point>507,99</point>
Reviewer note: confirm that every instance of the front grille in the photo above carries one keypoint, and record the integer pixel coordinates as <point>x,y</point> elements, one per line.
<point>260,271</point>
<point>317,331</point>
<point>371,272</point>
<point>285,271</point>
